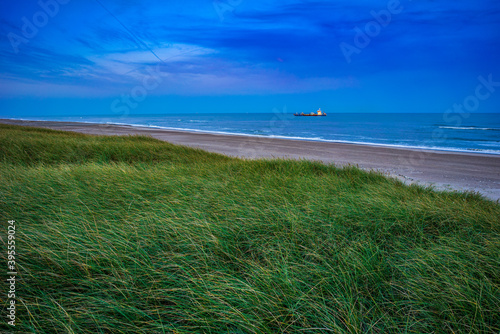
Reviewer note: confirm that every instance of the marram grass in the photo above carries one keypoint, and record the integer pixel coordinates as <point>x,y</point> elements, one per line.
<point>134,235</point>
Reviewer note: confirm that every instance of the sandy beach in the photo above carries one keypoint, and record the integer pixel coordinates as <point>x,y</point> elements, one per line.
<point>441,169</point>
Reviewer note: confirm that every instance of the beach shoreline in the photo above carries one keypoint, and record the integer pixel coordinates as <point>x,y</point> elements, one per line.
<point>445,170</point>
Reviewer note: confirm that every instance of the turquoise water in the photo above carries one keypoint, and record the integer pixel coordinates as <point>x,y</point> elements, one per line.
<point>476,133</point>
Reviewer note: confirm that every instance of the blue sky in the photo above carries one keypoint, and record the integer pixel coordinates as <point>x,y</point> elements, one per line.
<point>102,56</point>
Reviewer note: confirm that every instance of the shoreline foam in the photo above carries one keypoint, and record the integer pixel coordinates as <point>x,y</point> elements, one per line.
<point>445,170</point>
<point>309,139</point>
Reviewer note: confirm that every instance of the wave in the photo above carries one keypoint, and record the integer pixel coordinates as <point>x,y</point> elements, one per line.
<point>468,128</point>
<point>291,137</point>
<point>319,139</point>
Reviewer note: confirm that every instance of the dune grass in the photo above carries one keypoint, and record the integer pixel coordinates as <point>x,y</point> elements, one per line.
<point>135,235</point>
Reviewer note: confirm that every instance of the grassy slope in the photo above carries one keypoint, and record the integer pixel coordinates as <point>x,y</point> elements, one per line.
<point>134,235</point>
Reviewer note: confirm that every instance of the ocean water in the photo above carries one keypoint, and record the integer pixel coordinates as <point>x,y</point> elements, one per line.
<point>477,133</point>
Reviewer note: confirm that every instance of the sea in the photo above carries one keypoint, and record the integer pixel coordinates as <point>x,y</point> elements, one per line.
<point>476,132</point>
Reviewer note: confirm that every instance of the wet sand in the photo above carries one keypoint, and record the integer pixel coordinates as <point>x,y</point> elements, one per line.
<point>441,169</point>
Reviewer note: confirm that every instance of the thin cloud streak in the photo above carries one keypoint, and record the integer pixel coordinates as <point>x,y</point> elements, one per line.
<point>260,47</point>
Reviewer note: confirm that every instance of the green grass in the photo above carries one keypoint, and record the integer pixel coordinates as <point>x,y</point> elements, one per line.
<point>134,235</point>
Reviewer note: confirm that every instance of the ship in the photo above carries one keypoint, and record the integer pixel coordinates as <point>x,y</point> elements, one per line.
<point>317,113</point>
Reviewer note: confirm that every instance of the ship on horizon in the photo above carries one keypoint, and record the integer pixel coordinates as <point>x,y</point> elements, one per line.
<point>317,113</point>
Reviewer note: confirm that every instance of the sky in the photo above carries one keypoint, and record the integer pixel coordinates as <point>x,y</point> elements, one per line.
<point>105,57</point>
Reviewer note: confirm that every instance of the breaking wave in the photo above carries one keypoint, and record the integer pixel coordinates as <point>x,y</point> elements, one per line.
<point>468,128</point>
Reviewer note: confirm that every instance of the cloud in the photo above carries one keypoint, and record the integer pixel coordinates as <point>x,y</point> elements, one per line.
<point>168,53</point>
<point>261,46</point>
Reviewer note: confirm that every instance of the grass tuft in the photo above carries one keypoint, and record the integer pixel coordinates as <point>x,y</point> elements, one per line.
<point>135,235</point>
